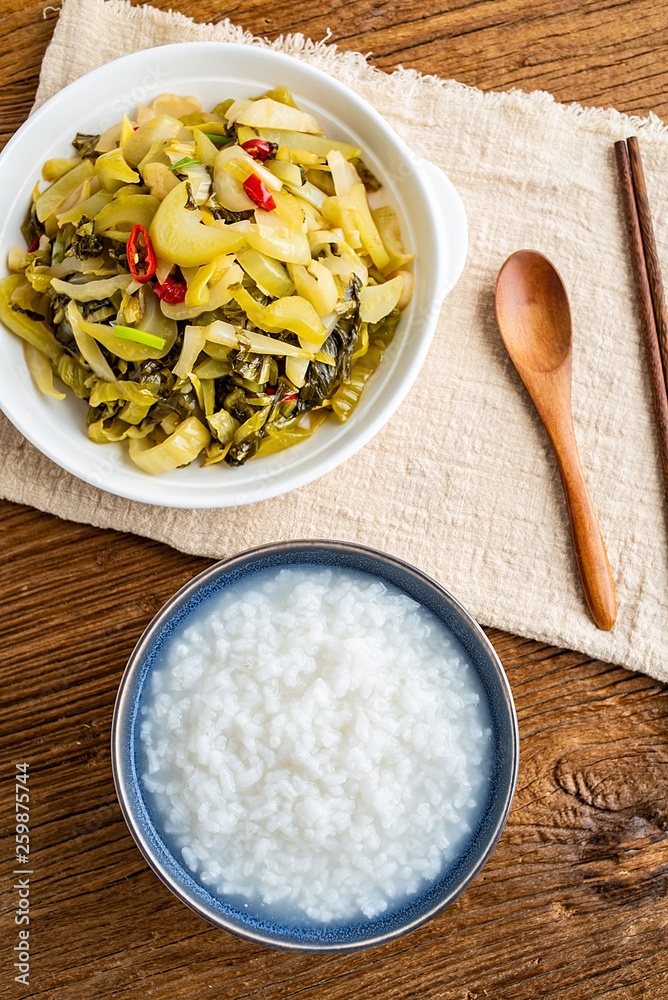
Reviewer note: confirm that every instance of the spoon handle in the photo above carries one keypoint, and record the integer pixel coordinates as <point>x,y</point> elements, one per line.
<point>590,554</point>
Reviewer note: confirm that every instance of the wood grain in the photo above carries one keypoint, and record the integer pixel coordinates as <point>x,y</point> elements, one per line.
<point>572,905</point>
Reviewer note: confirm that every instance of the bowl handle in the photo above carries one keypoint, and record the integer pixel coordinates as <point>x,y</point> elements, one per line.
<point>449,217</point>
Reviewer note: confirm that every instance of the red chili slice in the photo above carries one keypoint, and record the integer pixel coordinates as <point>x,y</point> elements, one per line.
<point>34,244</point>
<point>258,192</point>
<point>171,291</point>
<point>259,149</point>
<point>141,255</point>
<point>271,391</point>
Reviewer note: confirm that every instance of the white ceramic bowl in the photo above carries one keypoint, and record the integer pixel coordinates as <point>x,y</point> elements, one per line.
<point>433,224</point>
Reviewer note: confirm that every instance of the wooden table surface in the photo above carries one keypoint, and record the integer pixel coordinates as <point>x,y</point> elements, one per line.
<point>573,902</point>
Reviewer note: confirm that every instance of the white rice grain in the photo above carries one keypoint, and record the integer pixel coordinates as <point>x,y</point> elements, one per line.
<point>315,744</point>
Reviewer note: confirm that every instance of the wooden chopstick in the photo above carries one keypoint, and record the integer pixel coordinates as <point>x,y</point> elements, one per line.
<point>655,366</point>
<point>649,246</point>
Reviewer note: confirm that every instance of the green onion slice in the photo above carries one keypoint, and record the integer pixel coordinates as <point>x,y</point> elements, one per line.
<point>218,139</point>
<point>186,161</point>
<point>139,336</point>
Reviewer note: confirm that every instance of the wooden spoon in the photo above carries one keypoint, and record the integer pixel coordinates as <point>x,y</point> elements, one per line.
<point>534,318</point>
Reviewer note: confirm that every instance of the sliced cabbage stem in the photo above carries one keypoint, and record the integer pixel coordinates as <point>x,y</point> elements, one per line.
<point>258,299</point>
<point>179,448</point>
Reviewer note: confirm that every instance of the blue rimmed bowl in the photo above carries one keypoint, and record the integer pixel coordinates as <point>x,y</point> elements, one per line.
<point>146,826</point>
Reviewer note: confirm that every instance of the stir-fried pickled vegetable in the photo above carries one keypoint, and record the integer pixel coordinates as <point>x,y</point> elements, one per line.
<point>214,284</point>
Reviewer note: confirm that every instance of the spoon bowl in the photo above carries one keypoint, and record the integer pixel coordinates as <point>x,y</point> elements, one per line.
<point>534,318</point>
<point>531,301</point>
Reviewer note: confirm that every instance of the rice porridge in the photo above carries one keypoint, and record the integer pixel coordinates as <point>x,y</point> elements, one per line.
<point>314,745</point>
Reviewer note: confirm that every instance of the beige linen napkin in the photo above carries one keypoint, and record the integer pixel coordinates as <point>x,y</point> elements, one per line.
<point>470,495</point>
